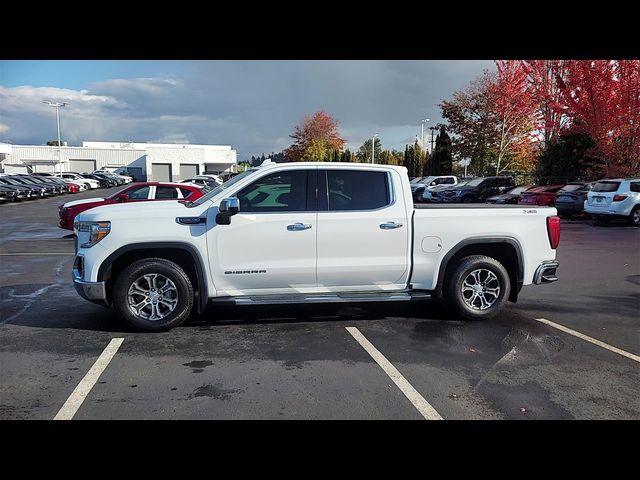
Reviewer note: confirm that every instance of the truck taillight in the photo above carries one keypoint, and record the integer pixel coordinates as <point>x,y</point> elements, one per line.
<point>553,230</point>
<point>619,198</point>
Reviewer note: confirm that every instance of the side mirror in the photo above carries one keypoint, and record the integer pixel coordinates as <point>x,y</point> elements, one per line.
<point>123,197</point>
<point>228,207</point>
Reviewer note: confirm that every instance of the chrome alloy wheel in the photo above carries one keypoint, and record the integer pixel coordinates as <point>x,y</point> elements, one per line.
<point>636,216</point>
<point>152,296</point>
<point>481,289</point>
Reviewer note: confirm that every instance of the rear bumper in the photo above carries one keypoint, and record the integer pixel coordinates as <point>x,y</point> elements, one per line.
<point>546,272</point>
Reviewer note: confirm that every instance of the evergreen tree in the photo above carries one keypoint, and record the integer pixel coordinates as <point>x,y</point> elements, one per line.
<point>441,162</point>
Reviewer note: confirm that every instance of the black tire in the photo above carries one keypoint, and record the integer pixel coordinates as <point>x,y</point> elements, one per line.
<point>634,217</point>
<point>453,288</point>
<point>467,199</point>
<point>104,185</point>
<point>166,268</point>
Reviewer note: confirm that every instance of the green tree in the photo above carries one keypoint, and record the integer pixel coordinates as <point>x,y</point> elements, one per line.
<point>441,160</point>
<point>568,156</point>
<point>364,154</point>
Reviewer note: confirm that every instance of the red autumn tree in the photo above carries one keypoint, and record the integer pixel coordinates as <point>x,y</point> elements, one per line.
<point>602,98</point>
<point>316,138</point>
<point>514,113</point>
<point>544,89</point>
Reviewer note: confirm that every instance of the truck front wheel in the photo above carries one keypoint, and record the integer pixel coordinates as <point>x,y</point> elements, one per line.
<point>153,294</point>
<point>478,288</point>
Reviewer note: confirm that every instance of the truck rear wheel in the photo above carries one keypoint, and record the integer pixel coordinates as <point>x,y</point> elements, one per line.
<point>478,288</point>
<point>153,295</point>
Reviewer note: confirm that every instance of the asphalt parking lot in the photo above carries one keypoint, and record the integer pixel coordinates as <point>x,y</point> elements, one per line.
<point>310,362</point>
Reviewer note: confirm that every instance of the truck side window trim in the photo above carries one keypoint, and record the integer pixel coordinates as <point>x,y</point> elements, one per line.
<point>323,185</point>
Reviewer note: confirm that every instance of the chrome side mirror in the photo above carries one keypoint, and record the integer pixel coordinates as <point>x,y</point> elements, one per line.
<point>228,207</point>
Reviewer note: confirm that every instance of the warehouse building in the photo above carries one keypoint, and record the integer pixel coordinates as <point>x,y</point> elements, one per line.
<point>143,161</point>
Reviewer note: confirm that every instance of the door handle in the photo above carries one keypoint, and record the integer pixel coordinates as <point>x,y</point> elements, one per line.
<point>390,225</point>
<point>298,226</point>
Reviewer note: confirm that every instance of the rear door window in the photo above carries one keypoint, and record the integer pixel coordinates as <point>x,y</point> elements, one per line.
<point>166,193</point>
<point>635,186</point>
<point>357,190</point>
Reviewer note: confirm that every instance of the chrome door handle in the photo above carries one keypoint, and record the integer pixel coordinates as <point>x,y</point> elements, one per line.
<point>390,225</point>
<point>298,226</point>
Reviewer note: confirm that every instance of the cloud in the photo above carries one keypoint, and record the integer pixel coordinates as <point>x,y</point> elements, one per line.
<point>251,105</point>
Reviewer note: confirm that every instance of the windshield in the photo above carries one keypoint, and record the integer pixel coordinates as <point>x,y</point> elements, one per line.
<point>473,183</point>
<point>519,190</point>
<point>223,187</point>
<point>416,180</point>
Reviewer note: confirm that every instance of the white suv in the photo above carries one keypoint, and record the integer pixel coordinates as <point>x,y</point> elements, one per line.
<point>617,197</point>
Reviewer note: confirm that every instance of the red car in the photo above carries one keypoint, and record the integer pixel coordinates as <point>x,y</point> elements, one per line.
<point>543,195</point>
<point>138,192</point>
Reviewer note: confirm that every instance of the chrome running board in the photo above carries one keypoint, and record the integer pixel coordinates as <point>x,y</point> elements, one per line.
<point>355,297</point>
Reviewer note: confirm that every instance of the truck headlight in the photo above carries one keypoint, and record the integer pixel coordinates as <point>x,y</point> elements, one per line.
<point>97,231</point>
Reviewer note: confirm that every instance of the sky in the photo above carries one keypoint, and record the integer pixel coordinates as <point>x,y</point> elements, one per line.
<point>252,105</point>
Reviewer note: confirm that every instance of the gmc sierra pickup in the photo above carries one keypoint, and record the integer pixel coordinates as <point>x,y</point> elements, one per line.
<point>309,232</point>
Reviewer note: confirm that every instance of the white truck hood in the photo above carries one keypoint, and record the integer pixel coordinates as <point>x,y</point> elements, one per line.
<point>84,200</point>
<point>140,210</point>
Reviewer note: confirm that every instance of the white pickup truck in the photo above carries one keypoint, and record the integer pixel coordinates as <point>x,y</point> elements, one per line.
<point>309,232</point>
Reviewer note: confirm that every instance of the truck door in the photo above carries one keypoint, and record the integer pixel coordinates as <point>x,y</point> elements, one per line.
<point>363,230</point>
<point>270,245</point>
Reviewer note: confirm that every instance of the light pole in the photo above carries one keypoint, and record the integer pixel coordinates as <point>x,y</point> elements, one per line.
<point>373,147</point>
<point>57,105</point>
<point>433,129</point>
<point>422,122</point>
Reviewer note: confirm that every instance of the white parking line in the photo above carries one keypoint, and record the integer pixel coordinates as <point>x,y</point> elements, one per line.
<point>76,398</point>
<point>418,401</point>
<point>589,339</point>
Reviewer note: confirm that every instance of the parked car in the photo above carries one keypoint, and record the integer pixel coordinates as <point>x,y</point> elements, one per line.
<point>570,198</point>
<point>543,195</point>
<point>430,182</point>
<point>105,173</point>
<point>615,198</point>
<point>215,178</point>
<point>105,182</point>
<point>23,191</point>
<point>89,182</point>
<point>139,192</point>
<point>52,187</point>
<point>8,194</point>
<point>204,182</point>
<point>478,189</point>
<point>123,178</point>
<point>76,187</point>
<point>436,194</point>
<point>370,244</point>
<point>511,197</point>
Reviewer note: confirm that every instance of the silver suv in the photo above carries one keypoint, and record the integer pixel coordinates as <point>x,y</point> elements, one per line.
<point>611,198</point>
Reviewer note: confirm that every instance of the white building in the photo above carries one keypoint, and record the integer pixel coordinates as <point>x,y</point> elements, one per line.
<point>145,161</point>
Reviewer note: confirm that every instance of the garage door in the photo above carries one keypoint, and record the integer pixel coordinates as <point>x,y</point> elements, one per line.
<point>160,172</point>
<point>188,170</point>
<point>82,166</point>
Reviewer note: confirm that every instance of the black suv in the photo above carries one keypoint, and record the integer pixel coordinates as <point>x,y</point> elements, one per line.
<point>478,189</point>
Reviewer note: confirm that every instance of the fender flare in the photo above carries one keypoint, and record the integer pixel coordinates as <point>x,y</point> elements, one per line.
<point>203,294</point>
<point>478,240</point>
